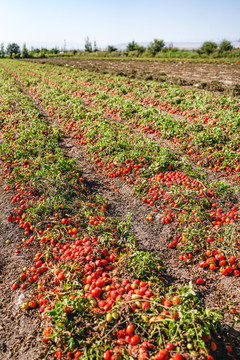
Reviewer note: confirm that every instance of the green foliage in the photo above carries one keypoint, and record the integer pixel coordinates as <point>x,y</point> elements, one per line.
<point>156,46</point>
<point>144,265</point>
<point>42,53</point>
<point>111,48</point>
<point>12,48</point>
<point>24,51</point>
<point>54,50</point>
<point>225,45</point>
<point>2,50</point>
<point>88,45</point>
<point>165,159</point>
<point>208,47</point>
<point>133,46</point>
<point>95,48</point>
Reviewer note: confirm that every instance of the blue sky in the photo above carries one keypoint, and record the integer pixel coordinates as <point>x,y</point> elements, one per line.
<point>49,22</point>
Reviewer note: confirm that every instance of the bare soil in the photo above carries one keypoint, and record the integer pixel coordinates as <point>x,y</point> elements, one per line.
<point>222,77</point>
<point>20,331</point>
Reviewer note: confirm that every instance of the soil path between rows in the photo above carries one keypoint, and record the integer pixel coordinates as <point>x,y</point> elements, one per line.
<point>20,331</point>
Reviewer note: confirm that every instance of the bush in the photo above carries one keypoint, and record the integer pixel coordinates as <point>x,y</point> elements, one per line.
<point>156,46</point>
<point>24,51</point>
<point>134,47</point>
<point>111,49</point>
<point>13,48</point>
<point>88,45</point>
<point>225,45</point>
<point>208,47</point>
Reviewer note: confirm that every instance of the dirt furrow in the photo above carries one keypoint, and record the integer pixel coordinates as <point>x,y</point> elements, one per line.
<point>19,330</point>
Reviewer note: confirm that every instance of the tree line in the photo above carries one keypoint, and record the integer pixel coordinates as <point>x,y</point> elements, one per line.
<point>155,48</point>
<point>14,50</point>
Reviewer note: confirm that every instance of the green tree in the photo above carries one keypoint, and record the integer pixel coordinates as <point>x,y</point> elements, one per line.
<point>42,53</point>
<point>88,45</point>
<point>95,48</point>
<point>111,48</point>
<point>225,45</point>
<point>13,48</point>
<point>24,51</point>
<point>2,50</point>
<point>35,50</point>
<point>208,47</point>
<point>54,50</point>
<point>156,46</point>
<point>132,46</point>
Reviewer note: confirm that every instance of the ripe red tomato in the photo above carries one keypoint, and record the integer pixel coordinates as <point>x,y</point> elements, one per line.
<point>45,339</point>
<point>100,282</point>
<point>222,262</point>
<point>58,353</point>
<point>77,354</point>
<point>202,264</point>
<point>32,304</point>
<point>107,355</point>
<point>167,303</point>
<point>61,276</point>
<point>146,345</point>
<point>229,269</point>
<point>143,356</point>
<point>14,286</point>
<point>177,356</point>
<point>170,346</point>
<point>135,340</point>
<point>145,305</point>
<point>176,300</point>
<point>127,338</point>
<point>39,263</point>
<point>96,291</point>
<point>162,355</point>
<point>232,259</point>
<point>115,357</point>
<point>129,329</point>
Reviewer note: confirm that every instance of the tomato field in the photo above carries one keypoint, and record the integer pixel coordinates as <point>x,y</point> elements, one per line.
<point>120,203</point>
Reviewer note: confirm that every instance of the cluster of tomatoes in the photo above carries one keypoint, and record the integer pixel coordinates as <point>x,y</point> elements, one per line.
<point>140,350</point>
<point>217,259</point>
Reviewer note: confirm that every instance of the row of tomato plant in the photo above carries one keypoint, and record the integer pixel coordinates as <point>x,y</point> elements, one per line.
<point>98,295</point>
<point>206,220</point>
<point>214,146</point>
